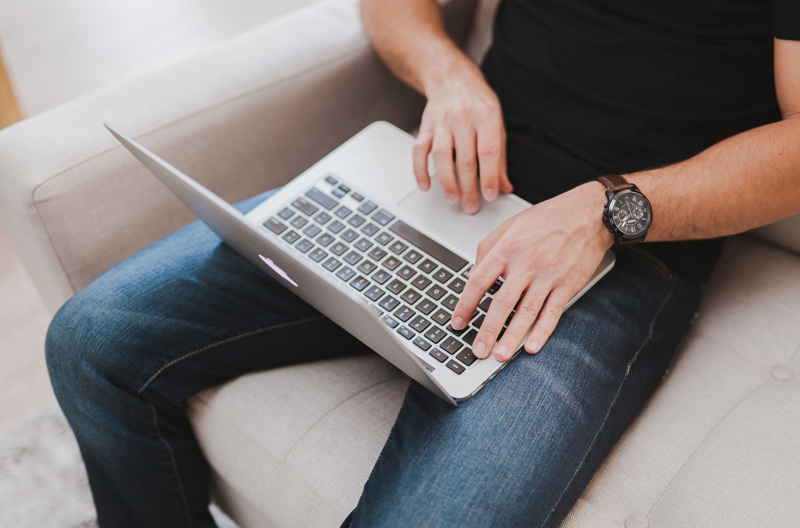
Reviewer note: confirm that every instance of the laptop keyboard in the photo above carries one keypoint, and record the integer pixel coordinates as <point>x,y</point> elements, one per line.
<point>411,280</point>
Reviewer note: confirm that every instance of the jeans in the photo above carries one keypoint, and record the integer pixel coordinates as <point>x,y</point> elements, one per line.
<point>188,313</point>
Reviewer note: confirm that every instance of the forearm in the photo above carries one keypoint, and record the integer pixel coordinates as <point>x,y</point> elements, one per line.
<point>409,36</point>
<point>743,182</point>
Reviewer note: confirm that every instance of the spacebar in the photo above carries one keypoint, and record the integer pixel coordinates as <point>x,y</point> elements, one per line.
<point>428,245</point>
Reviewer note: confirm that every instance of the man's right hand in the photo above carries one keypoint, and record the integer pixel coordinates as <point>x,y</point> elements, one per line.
<point>463,115</point>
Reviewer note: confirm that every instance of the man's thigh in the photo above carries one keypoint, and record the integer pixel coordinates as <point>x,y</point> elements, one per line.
<point>188,313</point>
<point>520,452</point>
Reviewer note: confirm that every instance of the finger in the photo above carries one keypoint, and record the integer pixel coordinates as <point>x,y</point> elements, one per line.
<point>547,320</point>
<point>525,315</point>
<point>422,147</point>
<point>503,302</point>
<point>467,168</point>
<point>489,165</point>
<point>505,183</point>
<point>442,150</point>
<point>481,278</point>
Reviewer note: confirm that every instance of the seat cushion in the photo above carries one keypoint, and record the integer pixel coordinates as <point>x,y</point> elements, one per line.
<point>716,445</point>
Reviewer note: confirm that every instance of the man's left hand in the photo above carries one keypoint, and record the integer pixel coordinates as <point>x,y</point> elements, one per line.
<point>545,255</point>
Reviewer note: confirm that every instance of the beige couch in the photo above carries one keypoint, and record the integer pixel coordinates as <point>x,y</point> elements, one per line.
<point>717,446</point>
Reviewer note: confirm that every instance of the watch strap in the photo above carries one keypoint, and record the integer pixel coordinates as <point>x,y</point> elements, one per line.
<point>615,182</point>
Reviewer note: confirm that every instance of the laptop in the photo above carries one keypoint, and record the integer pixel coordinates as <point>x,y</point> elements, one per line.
<point>354,237</point>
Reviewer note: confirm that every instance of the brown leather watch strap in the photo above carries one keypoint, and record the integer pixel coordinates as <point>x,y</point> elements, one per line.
<point>615,182</point>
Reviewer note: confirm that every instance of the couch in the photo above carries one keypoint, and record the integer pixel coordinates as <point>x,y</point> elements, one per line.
<point>717,446</point>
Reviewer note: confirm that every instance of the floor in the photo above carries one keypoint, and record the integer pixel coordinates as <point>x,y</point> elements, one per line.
<point>54,51</point>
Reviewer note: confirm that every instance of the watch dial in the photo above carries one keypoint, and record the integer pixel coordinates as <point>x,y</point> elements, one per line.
<point>631,213</point>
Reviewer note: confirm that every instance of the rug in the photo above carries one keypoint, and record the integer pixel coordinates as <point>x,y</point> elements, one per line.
<point>42,480</point>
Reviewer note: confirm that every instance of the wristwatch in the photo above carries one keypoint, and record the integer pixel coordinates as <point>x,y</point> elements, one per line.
<point>628,213</point>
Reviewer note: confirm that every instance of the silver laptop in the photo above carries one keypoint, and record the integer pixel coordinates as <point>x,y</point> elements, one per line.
<point>355,238</point>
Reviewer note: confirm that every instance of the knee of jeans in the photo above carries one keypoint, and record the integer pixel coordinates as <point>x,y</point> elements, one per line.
<point>81,346</point>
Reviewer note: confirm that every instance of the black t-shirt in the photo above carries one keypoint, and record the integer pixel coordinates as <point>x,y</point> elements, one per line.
<point>590,87</point>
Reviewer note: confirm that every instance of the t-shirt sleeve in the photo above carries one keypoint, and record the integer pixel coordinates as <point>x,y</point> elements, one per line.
<point>786,19</point>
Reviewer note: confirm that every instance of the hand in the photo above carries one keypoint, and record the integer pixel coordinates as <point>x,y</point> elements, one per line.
<point>463,114</point>
<point>546,255</point>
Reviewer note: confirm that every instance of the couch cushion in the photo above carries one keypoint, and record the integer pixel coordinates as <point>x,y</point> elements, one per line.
<point>716,446</point>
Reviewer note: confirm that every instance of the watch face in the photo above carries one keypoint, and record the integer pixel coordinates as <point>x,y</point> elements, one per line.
<point>631,213</point>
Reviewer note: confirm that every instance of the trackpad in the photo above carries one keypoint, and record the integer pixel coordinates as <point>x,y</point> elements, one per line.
<point>458,228</point>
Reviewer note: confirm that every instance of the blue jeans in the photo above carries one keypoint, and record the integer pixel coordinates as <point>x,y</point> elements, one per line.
<point>188,313</point>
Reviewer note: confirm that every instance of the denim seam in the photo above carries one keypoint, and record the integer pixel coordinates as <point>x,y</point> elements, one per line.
<point>223,342</point>
<point>612,406</point>
<point>174,465</point>
<point>646,256</point>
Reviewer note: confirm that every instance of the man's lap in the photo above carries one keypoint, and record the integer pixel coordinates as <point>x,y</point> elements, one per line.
<point>188,313</point>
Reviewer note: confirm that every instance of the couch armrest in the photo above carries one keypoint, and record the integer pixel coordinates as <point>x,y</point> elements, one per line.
<point>241,118</point>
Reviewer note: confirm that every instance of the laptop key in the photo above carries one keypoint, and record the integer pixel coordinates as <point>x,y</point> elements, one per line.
<point>436,292</point>
<point>427,265</point>
<point>426,306</point>
<point>336,226</point>
<point>466,357</point>
<point>405,332</point>
<point>367,267</point>
<point>428,245</point>
<point>398,247</point>
<point>441,317</point>
<point>275,225</point>
<point>337,192</point>
<point>312,230</point>
<point>352,258</point>
<point>396,286</point>
<point>419,323</point>
<point>421,282</point>
<point>321,198</point>
<point>338,248</point>
<point>291,237</point>
<point>357,197</point>
<point>322,218</point>
<point>450,302</point>
<point>389,320</point>
<point>391,263</point>
<point>344,188</point>
<point>412,256</point>
<point>411,296</point>
<point>485,303</point>
<point>470,336</point>
<point>343,212</point>
<point>331,264</point>
<point>478,321</point>
<point>377,254</point>
<point>305,206</point>
<point>442,275</point>
<point>381,276</point>
<point>422,344</point>
<point>304,245</point>
<point>330,179</point>
<point>438,355</point>
<point>367,207</point>
<point>456,367</point>
<point>356,220</point>
<point>451,345</point>
<point>349,235</point>
<point>298,222</point>
<point>359,283</point>
<point>363,244</point>
<point>457,284</point>
<point>389,303</point>
<point>494,287</point>
<point>317,255</point>
<point>453,331</point>
<point>345,274</point>
<point>383,217</point>
<point>370,229</point>
<point>435,334</point>
<point>384,238</point>
<point>404,313</point>
<point>286,213</point>
<point>374,293</point>
<point>325,239</point>
<point>406,272</point>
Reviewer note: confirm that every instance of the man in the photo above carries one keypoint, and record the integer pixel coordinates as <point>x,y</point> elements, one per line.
<point>696,103</point>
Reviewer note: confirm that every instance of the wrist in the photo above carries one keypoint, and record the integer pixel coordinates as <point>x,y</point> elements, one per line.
<point>592,199</point>
<point>451,72</point>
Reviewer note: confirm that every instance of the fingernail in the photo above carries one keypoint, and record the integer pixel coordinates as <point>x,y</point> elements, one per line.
<point>490,194</point>
<point>423,186</point>
<point>470,207</point>
<point>479,349</point>
<point>458,323</point>
<point>501,352</point>
<point>535,347</point>
<point>450,197</point>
